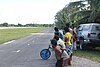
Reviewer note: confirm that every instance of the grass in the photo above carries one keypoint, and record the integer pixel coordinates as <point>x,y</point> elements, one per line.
<point>15,33</point>
<point>92,54</point>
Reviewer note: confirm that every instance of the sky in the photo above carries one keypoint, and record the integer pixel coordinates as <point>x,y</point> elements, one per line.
<point>30,11</point>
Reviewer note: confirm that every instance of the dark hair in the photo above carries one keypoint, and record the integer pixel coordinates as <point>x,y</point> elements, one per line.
<point>66,29</point>
<point>56,29</point>
<point>56,37</point>
<point>54,42</point>
<point>67,24</point>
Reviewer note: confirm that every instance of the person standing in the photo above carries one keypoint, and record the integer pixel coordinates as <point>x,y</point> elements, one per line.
<point>60,42</point>
<point>74,40</point>
<point>65,55</point>
<point>68,26</point>
<point>60,54</point>
<point>67,39</point>
<point>72,30</point>
<point>58,33</point>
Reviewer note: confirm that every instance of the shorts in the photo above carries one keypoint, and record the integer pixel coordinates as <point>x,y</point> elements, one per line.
<point>59,63</point>
<point>69,50</point>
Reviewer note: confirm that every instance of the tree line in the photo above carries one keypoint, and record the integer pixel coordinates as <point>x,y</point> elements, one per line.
<point>78,12</point>
<point>26,25</point>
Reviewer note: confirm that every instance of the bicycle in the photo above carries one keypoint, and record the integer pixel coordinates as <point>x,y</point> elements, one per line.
<point>45,53</point>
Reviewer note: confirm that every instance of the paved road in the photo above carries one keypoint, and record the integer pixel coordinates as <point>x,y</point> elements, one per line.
<point>24,52</point>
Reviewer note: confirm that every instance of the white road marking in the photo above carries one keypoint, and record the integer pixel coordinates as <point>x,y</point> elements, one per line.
<point>17,51</point>
<point>28,44</point>
<point>9,42</point>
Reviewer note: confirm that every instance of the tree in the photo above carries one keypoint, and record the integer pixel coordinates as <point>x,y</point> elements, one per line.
<point>95,8</point>
<point>19,25</point>
<point>71,13</point>
<point>77,12</point>
<point>5,24</point>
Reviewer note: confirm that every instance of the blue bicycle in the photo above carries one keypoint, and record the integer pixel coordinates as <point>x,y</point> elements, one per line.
<point>45,53</point>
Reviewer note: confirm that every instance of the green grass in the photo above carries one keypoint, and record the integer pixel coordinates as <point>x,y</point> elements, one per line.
<point>15,33</point>
<point>92,54</point>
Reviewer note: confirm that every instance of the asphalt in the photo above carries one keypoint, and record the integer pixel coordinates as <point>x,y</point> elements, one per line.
<point>25,52</point>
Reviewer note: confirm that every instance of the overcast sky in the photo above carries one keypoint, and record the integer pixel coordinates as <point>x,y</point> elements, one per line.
<point>30,11</point>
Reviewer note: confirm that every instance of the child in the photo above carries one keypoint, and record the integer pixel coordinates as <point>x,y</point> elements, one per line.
<point>60,42</point>
<point>60,54</point>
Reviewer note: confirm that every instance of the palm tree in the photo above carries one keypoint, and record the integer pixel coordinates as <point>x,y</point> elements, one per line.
<point>84,11</point>
<point>94,7</point>
<point>60,19</point>
<point>79,12</point>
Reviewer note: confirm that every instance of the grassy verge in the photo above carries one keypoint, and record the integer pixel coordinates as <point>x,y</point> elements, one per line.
<point>92,54</point>
<point>15,33</point>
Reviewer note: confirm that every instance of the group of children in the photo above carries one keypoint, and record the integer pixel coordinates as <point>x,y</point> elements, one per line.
<point>62,46</point>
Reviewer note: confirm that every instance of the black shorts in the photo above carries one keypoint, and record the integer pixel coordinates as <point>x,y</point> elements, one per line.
<point>59,63</point>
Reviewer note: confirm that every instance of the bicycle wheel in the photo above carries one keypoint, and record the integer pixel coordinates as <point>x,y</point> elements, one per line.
<point>45,54</point>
